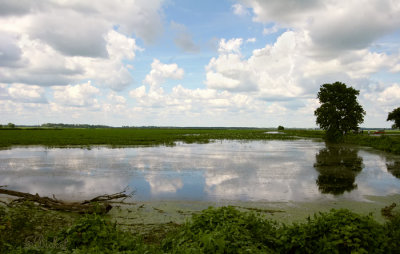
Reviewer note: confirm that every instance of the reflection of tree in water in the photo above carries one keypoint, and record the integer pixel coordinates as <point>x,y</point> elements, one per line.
<point>338,167</point>
<point>394,168</point>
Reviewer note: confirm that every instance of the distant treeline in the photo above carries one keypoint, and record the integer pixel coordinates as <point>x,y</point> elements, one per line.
<point>65,125</point>
<point>91,126</point>
<point>99,126</point>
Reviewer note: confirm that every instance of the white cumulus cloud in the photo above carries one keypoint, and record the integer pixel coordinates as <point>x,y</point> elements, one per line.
<point>53,43</point>
<point>333,26</point>
<point>25,93</point>
<point>290,68</point>
<point>76,95</point>
<point>160,72</point>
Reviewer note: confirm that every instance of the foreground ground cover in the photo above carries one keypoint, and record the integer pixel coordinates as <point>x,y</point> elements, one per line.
<point>26,228</point>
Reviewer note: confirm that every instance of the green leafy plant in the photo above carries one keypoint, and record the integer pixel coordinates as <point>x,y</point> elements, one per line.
<point>224,230</point>
<point>227,230</point>
<point>95,233</point>
<point>214,230</point>
<point>339,231</point>
<point>25,223</point>
<point>392,229</point>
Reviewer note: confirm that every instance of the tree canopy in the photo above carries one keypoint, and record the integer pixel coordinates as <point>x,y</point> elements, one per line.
<point>340,111</point>
<point>394,116</point>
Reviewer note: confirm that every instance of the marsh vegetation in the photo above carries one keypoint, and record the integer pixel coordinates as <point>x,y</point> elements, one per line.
<point>330,170</point>
<point>27,229</point>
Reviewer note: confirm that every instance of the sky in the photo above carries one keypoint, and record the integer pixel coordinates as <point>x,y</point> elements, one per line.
<point>237,63</point>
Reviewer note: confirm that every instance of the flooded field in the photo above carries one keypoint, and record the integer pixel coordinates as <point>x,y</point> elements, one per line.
<point>270,171</point>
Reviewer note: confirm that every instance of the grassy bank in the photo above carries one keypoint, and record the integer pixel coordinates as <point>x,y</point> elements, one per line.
<point>119,137</point>
<point>126,137</point>
<point>27,229</point>
<point>388,143</point>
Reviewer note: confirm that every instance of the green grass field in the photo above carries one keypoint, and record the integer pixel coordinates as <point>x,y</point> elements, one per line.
<point>388,143</point>
<point>120,137</point>
<point>126,137</point>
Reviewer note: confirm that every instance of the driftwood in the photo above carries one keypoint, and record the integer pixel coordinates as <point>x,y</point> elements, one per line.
<point>387,211</point>
<point>100,204</point>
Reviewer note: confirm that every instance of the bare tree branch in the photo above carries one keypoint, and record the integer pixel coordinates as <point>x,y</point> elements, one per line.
<point>99,204</point>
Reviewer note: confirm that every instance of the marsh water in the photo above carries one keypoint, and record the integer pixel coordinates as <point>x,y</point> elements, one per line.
<point>301,170</point>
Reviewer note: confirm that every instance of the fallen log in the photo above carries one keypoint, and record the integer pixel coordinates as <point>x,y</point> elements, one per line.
<point>99,204</point>
<point>387,211</point>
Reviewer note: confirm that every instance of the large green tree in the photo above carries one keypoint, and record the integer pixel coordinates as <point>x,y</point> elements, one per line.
<point>394,116</point>
<point>340,111</point>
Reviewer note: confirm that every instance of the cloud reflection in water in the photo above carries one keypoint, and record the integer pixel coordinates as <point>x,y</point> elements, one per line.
<point>229,170</point>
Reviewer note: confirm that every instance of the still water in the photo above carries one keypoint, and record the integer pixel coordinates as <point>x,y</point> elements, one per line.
<point>301,170</point>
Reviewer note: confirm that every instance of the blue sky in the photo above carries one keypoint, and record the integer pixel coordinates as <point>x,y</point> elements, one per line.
<point>253,63</point>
